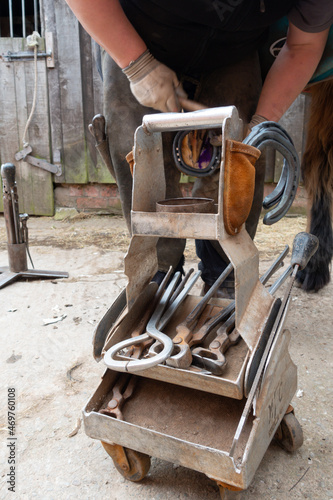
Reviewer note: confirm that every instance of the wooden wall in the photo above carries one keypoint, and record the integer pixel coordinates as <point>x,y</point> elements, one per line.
<point>68,96</point>
<point>75,96</point>
<point>35,187</point>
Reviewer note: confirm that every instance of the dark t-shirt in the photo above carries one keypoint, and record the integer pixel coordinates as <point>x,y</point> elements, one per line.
<point>312,16</point>
<point>199,35</point>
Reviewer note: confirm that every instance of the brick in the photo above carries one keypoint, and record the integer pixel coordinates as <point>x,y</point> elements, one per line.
<point>62,197</point>
<point>91,191</point>
<point>84,203</point>
<point>114,191</point>
<point>75,190</point>
<point>106,191</point>
<point>114,203</point>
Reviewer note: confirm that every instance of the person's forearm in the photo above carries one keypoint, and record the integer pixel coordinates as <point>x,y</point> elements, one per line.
<point>287,78</point>
<point>107,24</point>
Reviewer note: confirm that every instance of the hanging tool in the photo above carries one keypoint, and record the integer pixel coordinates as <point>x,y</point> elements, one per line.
<point>97,129</point>
<point>304,247</point>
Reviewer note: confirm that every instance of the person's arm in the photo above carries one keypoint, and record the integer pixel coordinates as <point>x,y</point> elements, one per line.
<point>108,25</point>
<point>291,71</point>
<point>152,83</point>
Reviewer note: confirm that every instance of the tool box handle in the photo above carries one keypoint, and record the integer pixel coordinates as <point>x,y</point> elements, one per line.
<point>202,119</point>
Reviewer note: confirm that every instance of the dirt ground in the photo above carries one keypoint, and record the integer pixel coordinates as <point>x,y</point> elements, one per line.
<point>53,372</point>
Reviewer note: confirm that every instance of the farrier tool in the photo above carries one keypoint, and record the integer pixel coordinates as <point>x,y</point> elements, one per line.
<point>156,323</point>
<point>121,391</point>
<point>138,347</point>
<point>97,129</point>
<point>130,364</point>
<point>209,326</point>
<point>212,358</point>
<point>183,356</point>
<point>184,331</point>
<point>124,386</point>
<point>304,247</point>
<point>128,320</point>
<point>109,319</point>
<point>176,300</point>
<point>17,234</point>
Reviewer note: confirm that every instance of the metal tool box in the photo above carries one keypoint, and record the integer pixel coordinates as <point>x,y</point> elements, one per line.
<point>190,416</point>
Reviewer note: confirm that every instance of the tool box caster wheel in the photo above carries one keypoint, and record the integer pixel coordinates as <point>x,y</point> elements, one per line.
<point>131,464</point>
<point>289,434</point>
<point>229,494</point>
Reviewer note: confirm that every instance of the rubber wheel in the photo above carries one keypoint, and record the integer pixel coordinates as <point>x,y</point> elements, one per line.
<point>222,492</point>
<point>139,463</point>
<point>226,494</point>
<point>289,434</point>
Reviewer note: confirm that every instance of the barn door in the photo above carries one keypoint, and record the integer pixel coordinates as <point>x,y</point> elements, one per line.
<point>17,81</point>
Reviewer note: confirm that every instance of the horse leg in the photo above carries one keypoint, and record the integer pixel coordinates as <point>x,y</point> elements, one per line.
<point>317,169</point>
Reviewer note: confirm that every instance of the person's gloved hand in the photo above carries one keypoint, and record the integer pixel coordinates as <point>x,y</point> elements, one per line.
<point>153,84</point>
<point>255,120</point>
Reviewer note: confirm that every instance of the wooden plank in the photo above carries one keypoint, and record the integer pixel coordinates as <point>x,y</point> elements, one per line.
<point>8,124</point>
<point>97,85</point>
<point>39,196</point>
<point>104,174</point>
<point>88,101</point>
<point>23,172</point>
<point>97,172</point>
<point>70,80</point>
<point>53,82</point>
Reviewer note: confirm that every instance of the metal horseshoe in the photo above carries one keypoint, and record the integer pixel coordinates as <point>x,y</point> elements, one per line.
<point>271,134</point>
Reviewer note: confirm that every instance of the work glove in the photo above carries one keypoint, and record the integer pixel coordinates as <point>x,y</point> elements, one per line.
<point>255,120</point>
<point>153,84</point>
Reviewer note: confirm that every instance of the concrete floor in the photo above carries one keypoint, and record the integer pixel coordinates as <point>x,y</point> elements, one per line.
<point>53,372</point>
